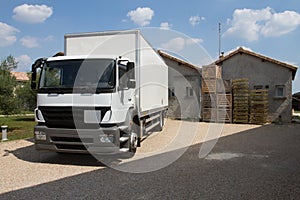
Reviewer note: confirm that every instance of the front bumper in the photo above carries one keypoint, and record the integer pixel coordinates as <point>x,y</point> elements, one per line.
<point>99,141</point>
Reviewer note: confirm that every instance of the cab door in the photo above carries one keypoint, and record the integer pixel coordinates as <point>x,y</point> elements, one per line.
<point>125,91</point>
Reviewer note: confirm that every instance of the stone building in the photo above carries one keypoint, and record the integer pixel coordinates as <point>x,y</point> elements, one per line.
<point>184,88</point>
<point>263,73</point>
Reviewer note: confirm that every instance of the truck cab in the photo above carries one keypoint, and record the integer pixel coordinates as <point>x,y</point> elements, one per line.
<point>85,104</point>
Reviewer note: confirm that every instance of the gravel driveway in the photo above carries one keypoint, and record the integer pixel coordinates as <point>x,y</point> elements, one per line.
<point>248,161</point>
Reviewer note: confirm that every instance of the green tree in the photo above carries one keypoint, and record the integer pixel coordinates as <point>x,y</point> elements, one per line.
<point>8,102</point>
<point>26,96</point>
<point>9,63</point>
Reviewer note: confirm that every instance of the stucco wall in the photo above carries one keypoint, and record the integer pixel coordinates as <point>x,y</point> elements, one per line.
<point>182,106</point>
<point>267,74</point>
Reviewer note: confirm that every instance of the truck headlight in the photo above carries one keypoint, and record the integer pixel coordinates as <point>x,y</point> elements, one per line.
<point>40,135</point>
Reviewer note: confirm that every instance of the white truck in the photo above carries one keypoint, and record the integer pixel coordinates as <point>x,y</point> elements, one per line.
<point>102,95</point>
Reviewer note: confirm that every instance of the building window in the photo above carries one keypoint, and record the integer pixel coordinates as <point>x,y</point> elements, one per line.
<point>280,91</point>
<point>171,92</point>
<point>258,87</point>
<point>189,92</point>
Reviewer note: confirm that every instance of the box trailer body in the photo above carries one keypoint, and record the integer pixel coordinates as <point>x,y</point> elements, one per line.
<point>88,117</point>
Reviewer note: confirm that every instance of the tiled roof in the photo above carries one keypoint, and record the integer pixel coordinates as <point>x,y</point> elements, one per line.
<point>241,50</point>
<point>20,76</point>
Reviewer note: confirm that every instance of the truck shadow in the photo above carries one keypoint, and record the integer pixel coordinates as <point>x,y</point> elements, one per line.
<point>30,154</point>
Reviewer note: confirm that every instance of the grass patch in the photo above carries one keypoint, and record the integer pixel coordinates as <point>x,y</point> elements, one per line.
<point>19,127</point>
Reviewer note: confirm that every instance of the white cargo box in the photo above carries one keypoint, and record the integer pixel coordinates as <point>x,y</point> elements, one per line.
<point>151,71</point>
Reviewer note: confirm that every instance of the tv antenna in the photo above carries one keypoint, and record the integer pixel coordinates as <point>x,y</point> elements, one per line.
<point>219,39</point>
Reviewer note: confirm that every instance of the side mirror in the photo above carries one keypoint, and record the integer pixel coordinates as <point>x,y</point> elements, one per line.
<point>130,70</point>
<point>131,83</point>
<point>38,64</point>
<point>33,78</point>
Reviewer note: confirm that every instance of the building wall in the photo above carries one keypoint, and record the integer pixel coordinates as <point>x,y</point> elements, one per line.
<point>264,73</point>
<point>183,105</point>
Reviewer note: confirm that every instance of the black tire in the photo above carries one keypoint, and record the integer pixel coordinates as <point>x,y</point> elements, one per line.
<point>131,143</point>
<point>133,138</point>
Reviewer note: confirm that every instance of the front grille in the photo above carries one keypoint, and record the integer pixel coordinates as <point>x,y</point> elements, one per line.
<point>69,117</point>
<point>71,139</point>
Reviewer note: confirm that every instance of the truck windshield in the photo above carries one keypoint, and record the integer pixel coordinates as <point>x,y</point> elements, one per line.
<point>80,75</point>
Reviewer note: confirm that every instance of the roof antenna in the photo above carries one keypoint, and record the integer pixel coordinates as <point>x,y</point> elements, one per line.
<point>219,39</point>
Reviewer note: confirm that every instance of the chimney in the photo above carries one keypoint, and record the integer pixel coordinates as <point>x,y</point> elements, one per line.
<point>222,54</point>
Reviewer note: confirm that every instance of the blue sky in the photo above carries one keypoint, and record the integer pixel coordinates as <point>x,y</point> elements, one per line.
<point>33,29</point>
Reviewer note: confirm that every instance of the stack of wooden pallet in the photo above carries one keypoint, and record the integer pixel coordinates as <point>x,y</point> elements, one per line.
<point>224,107</point>
<point>258,106</point>
<point>210,75</point>
<point>224,101</point>
<point>216,96</point>
<point>240,100</point>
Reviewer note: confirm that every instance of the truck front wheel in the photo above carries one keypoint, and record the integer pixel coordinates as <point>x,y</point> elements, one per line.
<point>133,142</point>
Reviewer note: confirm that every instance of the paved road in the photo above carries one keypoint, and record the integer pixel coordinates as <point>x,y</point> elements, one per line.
<point>259,163</point>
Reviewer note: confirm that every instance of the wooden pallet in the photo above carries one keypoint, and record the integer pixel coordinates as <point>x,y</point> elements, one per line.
<point>241,80</point>
<point>240,121</point>
<point>211,72</point>
<point>224,100</point>
<point>240,88</point>
<point>209,86</point>
<point>216,95</point>
<point>224,115</point>
<point>259,106</point>
<point>209,114</point>
<point>209,100</point>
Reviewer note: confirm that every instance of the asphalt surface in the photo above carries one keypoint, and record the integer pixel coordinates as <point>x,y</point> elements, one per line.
<point>260,163</point>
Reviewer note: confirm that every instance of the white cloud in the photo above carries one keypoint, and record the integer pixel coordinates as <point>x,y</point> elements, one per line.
<point>165,26</point>
<point>193,41</point>
<point>29,42</point>
<point>251,24</point>
<point>246,23</point>
<point>179,43</point>
<point>7,34</point>
<point>176,44</point>
<point>49,38</point>
<point>281,23</point>
<point>24,63</point>
<point>141,16</point>
<point>32,42</point>
<point>32,14</point>
<point>195,20</point>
